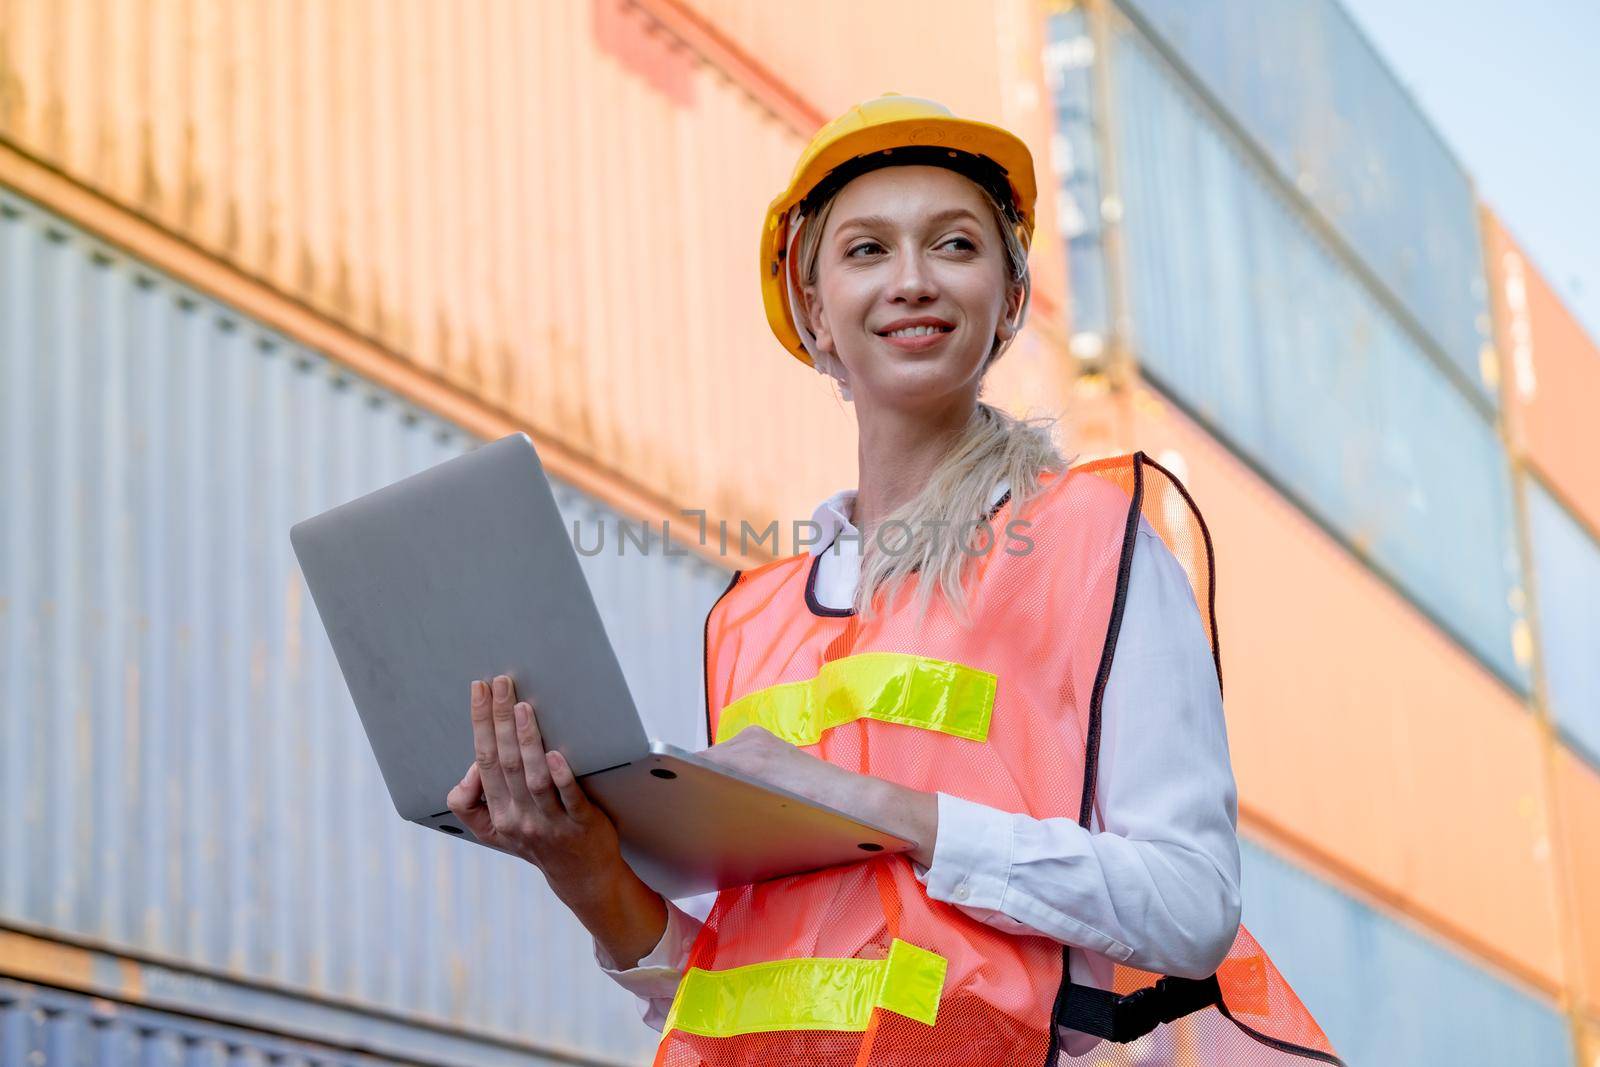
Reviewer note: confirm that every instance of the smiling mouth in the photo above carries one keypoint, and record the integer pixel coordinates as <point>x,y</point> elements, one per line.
<point>917,331</point>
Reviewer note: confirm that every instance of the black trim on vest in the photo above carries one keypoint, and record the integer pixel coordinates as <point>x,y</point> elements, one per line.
<point>1282,1046</point>
<point>1211,569</point>
<point>1100,1012</point>
<point>816,606</point>
<point>1068,991</point>
<point>1102,675</point>
<point>811,594</point>
<point>705,655</point>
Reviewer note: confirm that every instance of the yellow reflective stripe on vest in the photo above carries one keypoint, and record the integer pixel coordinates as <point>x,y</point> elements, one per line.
<point>809,994</point>
<point>932,694</point>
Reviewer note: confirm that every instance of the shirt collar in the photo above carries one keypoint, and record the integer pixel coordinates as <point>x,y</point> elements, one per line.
<point>833,516</point>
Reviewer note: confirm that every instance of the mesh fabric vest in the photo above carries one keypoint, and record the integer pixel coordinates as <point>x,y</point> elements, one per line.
<point>856,964</point>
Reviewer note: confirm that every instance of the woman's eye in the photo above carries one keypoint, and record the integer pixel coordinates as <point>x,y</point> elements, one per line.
<point>863,246</point>
<point>966,245</point>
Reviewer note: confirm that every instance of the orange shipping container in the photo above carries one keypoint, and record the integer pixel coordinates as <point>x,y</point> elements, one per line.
<point>1589,1042</point>
<point>1578,787</point>
<point>1364,741</point>
<point>1550,370</point>
<point>552,209</point>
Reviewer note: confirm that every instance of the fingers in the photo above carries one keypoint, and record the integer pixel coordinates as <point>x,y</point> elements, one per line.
<point>521,753</point>
<point>467,793</point>
<point>486,750</point>
<point>573,798</point>
<point>465,802</point>
<point>509,752</point>
<point>536,772</point>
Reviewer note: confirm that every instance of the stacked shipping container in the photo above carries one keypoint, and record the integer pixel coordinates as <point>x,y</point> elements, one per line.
<point>187,779</point>
<point>1296,269</point>
<point>268,256</point>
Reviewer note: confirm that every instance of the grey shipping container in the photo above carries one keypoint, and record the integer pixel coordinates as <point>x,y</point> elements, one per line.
<point>1309,90</point>
<point>1242,314</point>
<point>183,775</point>
<point>1387,995</point>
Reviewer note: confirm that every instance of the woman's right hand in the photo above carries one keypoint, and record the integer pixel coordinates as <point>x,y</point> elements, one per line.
<point>517,797</point>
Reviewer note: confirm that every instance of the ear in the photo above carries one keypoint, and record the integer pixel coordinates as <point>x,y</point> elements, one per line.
<point>1011,312</point>
<point>816,319</point>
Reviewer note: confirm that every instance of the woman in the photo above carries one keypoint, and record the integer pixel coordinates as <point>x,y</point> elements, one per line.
<point>1045,718</point>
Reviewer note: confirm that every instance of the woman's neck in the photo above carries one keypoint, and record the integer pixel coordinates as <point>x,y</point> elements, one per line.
<point>897,455</point>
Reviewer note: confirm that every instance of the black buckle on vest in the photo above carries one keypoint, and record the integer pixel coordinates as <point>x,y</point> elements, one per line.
<point>1103,1014</point>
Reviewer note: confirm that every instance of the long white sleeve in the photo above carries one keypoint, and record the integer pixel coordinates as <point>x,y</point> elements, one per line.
<point>654,979</point>
<point>1157,886</point>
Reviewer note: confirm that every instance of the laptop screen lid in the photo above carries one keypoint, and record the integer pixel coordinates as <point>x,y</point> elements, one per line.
<point>461,571</point>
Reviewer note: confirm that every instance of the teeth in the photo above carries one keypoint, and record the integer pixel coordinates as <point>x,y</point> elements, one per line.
<point>915,331</point>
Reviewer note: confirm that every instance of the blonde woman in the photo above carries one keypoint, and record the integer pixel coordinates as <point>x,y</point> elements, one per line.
<point>990,652</point>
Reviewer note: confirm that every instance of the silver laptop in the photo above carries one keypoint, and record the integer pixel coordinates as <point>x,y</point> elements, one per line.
<point>465,571</point>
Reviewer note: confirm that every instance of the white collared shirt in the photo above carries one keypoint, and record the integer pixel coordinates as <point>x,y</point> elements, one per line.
<point>1155,886</point>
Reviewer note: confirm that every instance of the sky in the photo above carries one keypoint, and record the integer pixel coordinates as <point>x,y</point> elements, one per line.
<point>1514,88</point>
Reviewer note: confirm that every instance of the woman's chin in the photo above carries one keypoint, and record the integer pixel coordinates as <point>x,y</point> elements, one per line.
<point>913,382</point>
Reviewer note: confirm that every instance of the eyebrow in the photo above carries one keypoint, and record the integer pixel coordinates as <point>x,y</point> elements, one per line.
<point>879,222</point>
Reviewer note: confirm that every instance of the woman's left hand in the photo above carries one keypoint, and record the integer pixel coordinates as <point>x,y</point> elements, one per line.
<point>761,754</point>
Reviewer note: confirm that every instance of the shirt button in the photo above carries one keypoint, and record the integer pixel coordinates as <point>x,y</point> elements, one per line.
<point>961,893</point>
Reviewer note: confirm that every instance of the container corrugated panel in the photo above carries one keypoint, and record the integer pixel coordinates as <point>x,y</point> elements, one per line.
<point>1566,562</point>
<point>1551,372</point>
<point>1069,78</point>
<point>1241,312</point>
<point>555,207</point>
<point>44,1026</point>
<point>182,767</point>
<point>1589,1040</point>
<point>1358,730</point>
<point>1578,786</point>
<point>501,198</point>
<point>1386,995</point>
<point>41,1026</point>
<point>1310,90</point>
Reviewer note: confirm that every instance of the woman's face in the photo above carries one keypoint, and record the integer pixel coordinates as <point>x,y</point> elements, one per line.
<point>912,284</point>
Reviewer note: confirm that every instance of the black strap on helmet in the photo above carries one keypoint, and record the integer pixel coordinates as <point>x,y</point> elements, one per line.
<point>981,169</point>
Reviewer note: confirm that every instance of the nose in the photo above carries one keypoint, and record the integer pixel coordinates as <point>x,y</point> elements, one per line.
<point>913,282</point>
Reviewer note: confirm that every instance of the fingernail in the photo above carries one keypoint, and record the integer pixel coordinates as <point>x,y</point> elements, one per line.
<point>477,692</point>
<point>522,715</point>
<point>502,687</point>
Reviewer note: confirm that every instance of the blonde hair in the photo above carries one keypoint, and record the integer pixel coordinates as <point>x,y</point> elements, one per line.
<point>944,523</point>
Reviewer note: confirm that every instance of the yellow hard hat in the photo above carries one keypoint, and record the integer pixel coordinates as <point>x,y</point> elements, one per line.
<point>887,131</point>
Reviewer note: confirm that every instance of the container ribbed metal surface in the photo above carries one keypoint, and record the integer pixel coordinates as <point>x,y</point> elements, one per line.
<point>1386,995</point>
<point>1300,78</point>
<point>548,206</point>
<point>1242,313</point>
<point>1551,372</point>
<point>43,1026</point>
<point>182,770</point>
<point>1069,75</point>
<point>1566,562</point>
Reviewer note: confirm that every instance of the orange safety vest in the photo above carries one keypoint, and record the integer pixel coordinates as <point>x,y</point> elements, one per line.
<point>856,964</point>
